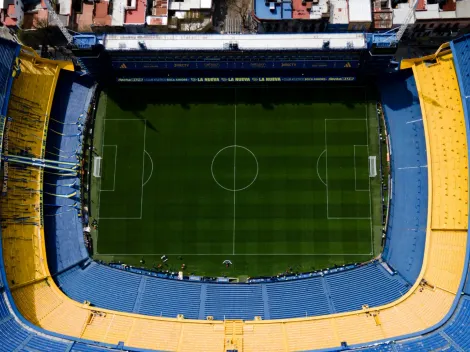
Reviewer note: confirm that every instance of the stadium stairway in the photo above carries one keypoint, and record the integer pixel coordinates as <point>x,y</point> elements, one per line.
<point>406,232</point>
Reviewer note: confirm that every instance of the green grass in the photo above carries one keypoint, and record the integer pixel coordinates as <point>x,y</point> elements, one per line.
<point>170,167</point>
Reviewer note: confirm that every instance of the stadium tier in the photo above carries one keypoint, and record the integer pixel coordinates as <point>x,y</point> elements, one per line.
<point>408,211</point>
<point>60,300</point>
<point>311,297</point>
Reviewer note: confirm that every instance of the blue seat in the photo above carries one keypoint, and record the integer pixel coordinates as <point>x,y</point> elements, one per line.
<point>459,328</point>
<point>63,224</point>
<point>297,298</point>
<point>227,301</point>
<point>406,232</point>
<point>369,284</point>
<point>169,298</point>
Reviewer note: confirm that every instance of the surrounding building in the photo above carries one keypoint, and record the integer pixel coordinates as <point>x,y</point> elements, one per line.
<point>12,12</point>
<point>360,15</point>
<point>431,19</point>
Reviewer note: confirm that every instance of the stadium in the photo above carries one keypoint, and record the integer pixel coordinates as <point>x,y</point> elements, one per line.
<point>266,151</point>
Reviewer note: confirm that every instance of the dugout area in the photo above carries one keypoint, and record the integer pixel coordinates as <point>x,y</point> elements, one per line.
<point>271,178</point>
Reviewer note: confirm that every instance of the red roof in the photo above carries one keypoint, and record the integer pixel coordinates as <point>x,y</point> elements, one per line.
<point>422,4</point>
<point>300,11</point>
<point>10,22</point>
<point>450,5</point>
<point>155,21</point>
<point>11,11</point>
<point>101,14</point>
<point>85,19</point>
<point>31,19</point>
<point>136,16</point>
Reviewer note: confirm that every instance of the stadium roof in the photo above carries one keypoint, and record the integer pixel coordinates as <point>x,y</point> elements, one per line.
<point>241,42</point>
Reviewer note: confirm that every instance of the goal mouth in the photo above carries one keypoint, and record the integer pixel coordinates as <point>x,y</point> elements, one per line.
<point>97,166</point>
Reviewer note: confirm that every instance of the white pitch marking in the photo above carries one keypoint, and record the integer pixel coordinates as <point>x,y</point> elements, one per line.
<point>346,119</point>
<point>349,218</point>
<point>140,120</point>
<point>234,176</point>
<point>318,161</point>
<point>230,189</point>
<point>151,170</point>
<point>115,167</point>
<point>370,193</point>
<point>143,168</point>
<point>139,218</point>
<point>102,153</point>
<point>326,175</point>
<point>355,170</point>
<point>327,198</point>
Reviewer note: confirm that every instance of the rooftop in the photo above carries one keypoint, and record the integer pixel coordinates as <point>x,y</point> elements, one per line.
<point>65,7</point>
<point>275,10</point>
<point>421,5</point>
<point>309,9</point>
<point>135,12</point>
<point>400,13</point>
<point>157,20</point>
<point>85,19</point>
<point>187,5</point>
<point>117,18</point>
<point>462,9</point>
<point>160,8</point>
<point>242,42</point>
<point>339,12</point>
<point>101,14</point>
<point>450,5</point>
<point>31,20</point>
<point>360,11</point>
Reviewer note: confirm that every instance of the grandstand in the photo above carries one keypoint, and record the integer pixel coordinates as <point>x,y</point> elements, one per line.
<point>61,300</point>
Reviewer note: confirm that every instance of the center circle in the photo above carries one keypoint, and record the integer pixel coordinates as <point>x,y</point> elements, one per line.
<point>234,168</point>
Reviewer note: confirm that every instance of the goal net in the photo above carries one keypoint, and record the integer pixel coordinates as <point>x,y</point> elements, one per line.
<point>97,166</point>
<point>372,166</point>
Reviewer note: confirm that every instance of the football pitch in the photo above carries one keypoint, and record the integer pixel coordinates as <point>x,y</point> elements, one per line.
<point>272,179</point>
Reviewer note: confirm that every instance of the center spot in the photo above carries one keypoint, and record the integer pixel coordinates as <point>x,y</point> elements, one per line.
<point>234,168</point>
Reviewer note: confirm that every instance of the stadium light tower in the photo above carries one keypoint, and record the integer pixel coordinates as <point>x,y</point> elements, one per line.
<point>58,22</point>
<point>408,18</point>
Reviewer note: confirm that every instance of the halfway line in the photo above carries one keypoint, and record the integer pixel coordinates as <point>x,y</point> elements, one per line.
<point>234,175</point>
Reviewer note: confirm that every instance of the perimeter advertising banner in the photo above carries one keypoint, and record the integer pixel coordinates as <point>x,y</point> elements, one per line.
<point>235,79</point>
<point>225,65</point>
<point>5,127</point>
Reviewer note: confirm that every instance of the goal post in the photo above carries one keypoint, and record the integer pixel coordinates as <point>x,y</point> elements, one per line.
<point>372,166</point>
<point>97,166</point>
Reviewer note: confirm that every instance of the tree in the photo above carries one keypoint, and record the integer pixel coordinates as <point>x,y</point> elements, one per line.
<point>242,9</point>
<point>193,21</point>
